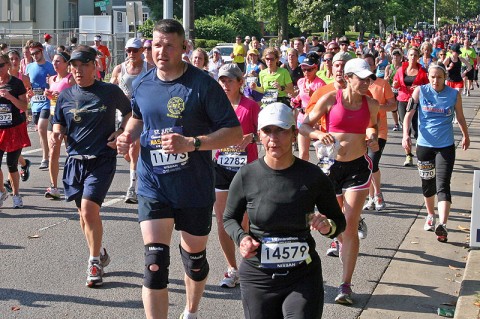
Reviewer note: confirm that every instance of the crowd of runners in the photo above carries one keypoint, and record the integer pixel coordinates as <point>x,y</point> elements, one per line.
<point>168,106</point>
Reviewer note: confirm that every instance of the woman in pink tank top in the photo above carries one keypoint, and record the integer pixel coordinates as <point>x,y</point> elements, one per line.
<point>57,83</point>
<point>349,112</point>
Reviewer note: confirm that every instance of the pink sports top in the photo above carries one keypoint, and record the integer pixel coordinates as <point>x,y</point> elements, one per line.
<point>62,84</point>
<point>342,120</point>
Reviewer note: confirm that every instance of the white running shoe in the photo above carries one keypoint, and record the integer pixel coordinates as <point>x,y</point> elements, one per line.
<point>379,202</point>
<point>230,279</point>
<point>362,229</point>
<point>429,223</point>
<point>17,201</point>
<point>370,204</point>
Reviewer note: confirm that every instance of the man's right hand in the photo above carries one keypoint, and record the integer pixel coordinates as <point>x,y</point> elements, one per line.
<point>123,143</point>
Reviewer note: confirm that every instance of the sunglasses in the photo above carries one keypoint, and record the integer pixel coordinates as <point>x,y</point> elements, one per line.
<point>270,59</point>
<point>307,69</point>
<point>335,48</point>
<point>358,53</point>
<point>2,64</point>
<point>132,50</point>
<point>327,59</point>
<point>148,48</point>
<point>35,52</point>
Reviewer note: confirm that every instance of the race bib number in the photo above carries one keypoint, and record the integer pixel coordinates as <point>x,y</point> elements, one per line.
<point>232,158</point>
<point>162,162</point>
<point>38,97</point>
<point>426,170</point>
<point>270,96</point>
<point>280,252</point>
<point>5,114</point>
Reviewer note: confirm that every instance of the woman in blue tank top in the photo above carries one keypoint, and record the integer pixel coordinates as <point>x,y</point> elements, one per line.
<point>437,105</point>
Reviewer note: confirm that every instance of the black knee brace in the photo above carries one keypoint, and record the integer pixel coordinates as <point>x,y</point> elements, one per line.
<point>156,254</point>
<point>195,261</point>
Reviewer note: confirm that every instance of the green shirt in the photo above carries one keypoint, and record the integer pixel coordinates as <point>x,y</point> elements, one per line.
<point>281,76</point>
<point>469,53</point>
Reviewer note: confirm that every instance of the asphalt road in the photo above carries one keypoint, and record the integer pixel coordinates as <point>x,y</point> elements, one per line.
<point>44,255</point>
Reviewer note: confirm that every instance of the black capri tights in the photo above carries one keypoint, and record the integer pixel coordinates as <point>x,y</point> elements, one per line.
<point>12,160</point>
<point>435,166</point>
<point>375,156</point>
<point>402,110</point>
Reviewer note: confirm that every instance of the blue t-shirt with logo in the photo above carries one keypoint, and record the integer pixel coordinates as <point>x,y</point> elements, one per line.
<point>88,114</point>
<point>38,74</point>
<point>435,116</point>
<point>192,105</point>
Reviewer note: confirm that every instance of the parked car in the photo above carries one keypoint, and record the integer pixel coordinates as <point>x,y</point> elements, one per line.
<point>225,50</point>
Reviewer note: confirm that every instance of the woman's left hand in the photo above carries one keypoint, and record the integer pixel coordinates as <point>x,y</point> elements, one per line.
<point>465,143</point>
<point>406,142</point>
<point>247,139</point>
<point>319,222</point>
<point>372,143</point>
<point>5,94</point>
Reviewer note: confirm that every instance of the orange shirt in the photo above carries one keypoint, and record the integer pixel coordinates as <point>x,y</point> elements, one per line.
<point>106,53</point>
<point>381,91</point>
<point>314,99</point>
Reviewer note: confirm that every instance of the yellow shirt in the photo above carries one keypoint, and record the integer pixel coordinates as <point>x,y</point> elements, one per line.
<point>239,49</point>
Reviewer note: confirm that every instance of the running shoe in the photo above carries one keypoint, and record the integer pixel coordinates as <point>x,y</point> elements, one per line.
<point>334,249</point>
<point>379,202</point>
<point>8,186</point>
<point>43,164</point>
<point>94,275</point>
<point>344,296</point>
<point>362,229</point>
<point>370,204</point>
<point>429,223</point>
<point>3,197</point>
<point>25,171</point>
<point>396,128</point>
<point>53,193</point>
<point>468,93</point>
<point>230,279</point>
<point>17,201</point>
<point>104,258</point>
<point>478,85</point>
<point>408,160</point>
<point>131,196</point>
<point>441,232</point>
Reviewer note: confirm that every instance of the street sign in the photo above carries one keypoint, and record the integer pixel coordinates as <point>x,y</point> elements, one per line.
<point>327,18</point>
<point>100,4</point>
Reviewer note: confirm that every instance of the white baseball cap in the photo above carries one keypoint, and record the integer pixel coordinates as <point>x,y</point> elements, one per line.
<point>277,114</point>
<point>360,68</point>
<point>134,43</point>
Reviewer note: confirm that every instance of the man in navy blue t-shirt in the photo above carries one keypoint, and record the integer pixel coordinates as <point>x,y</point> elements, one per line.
<point>85,113</point>
<point>180,114</point>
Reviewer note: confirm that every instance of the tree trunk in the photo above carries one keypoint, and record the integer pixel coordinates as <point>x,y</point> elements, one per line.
<point>282,19</point>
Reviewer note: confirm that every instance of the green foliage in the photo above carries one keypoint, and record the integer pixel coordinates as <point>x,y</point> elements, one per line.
<point>214,28</point>
<point>147,29</point>
<point>205,44</point>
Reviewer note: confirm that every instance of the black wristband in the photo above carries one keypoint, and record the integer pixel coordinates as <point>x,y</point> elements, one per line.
<point>121,128</point>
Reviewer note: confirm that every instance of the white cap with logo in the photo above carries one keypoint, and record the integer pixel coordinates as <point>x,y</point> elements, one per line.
<point>277,114</point>
<point>360,68</point>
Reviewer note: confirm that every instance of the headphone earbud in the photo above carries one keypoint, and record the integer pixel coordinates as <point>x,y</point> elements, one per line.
<point>184,47</point>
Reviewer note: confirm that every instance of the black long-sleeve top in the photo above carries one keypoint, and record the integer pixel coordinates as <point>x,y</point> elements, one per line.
<point>278,203</point>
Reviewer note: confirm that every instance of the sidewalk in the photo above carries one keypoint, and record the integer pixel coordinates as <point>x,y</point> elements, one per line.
<point>424,274</point>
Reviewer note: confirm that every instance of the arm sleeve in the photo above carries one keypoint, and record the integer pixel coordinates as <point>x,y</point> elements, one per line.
<point>327,205</point>
<point>218,107</point>
<point>122,102</point>
<point>234,210</point>
<point>58,117</point>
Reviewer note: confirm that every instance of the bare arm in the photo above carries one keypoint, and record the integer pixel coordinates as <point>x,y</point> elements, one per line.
<point>462,122</point>
<point>133,129</point>
<point>115,74</point>
<point>20,102</point>
<point>407,121</point>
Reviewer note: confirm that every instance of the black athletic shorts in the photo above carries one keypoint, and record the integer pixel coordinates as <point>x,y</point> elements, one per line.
<point>353,175</point>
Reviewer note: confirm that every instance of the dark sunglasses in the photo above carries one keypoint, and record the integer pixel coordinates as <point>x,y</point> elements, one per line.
<point>307,69</point>
<point>148,48</point>
<point>35,52</point>
<point>327,59</point>
<point>270,59</point>
<point>131,50</point>
<point>2,64</point>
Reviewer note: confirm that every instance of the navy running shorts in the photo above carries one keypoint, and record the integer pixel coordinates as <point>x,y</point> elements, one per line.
<point>223,177</point>
<point>88,178</point>
<point>196,221</point>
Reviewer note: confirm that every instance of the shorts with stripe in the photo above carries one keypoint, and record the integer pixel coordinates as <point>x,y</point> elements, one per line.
<point>352,176</point>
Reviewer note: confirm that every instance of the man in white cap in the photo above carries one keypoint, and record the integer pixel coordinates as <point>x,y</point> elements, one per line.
<point>105,58</point>
<point>123,75</point>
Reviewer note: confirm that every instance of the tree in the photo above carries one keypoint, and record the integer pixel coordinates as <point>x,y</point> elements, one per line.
<point>147,29</point>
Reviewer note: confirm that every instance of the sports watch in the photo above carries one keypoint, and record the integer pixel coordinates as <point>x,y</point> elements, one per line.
<point>196,143</point>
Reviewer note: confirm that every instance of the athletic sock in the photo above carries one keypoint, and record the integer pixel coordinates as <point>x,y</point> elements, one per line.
<point>133,179</point>
<point>94,260</point>
<point>189,315</point>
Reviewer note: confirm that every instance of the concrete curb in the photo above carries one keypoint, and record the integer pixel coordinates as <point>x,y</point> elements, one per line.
<point>470,289</point>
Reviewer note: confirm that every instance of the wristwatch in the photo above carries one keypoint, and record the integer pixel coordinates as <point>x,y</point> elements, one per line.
<point>196,143</point>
